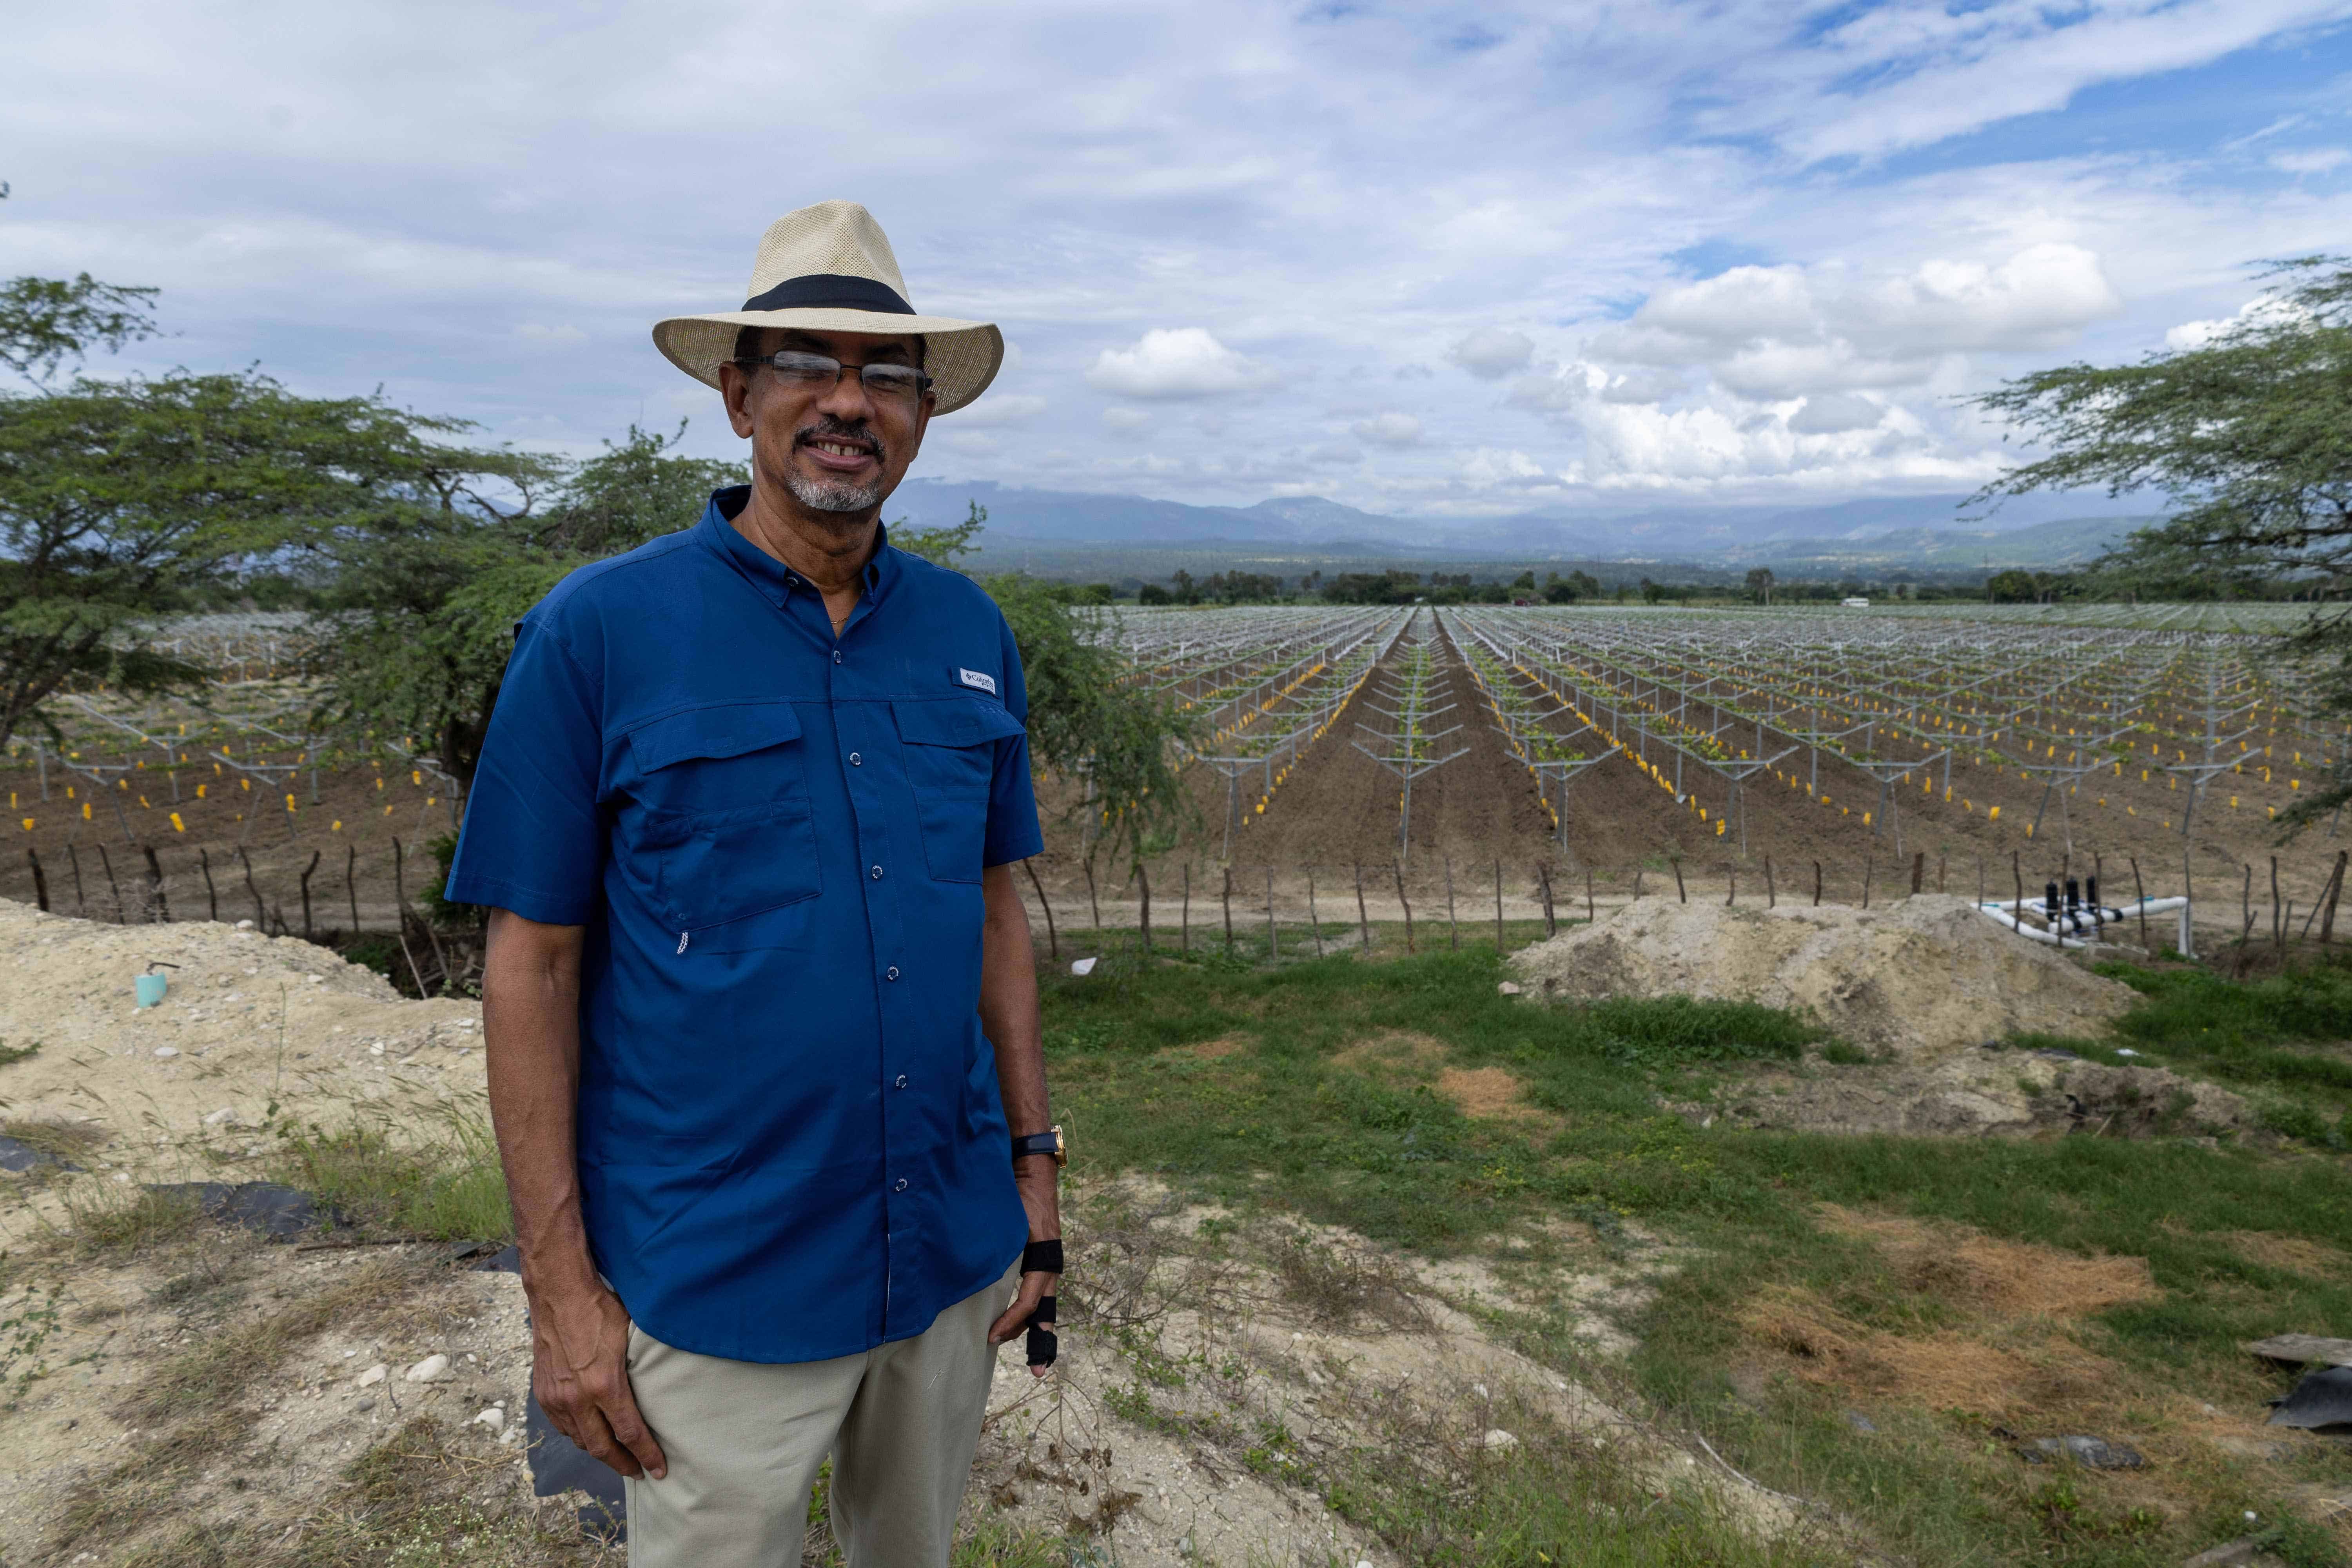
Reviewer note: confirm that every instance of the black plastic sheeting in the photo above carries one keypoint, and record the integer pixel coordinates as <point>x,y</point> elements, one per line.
<point>559,1465</point>
<point>279,1213</point>
<point>19,1157</point>
<point>2321,1399</point>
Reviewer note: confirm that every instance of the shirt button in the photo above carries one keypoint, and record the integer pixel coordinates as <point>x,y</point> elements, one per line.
<point>902,1081</point>
<point>855,760</point>
<point>901,1186</point>
<point>877,873</point>
<point>891,973</point>
<point>836,656</point>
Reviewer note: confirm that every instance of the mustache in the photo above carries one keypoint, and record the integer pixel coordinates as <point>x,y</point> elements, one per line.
<point>828,429</point>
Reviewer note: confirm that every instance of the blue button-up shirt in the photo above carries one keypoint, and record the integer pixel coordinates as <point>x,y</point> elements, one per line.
<point>791,1144</point>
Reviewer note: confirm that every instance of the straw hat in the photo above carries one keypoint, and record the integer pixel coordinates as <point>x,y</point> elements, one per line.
<point>828,269</point>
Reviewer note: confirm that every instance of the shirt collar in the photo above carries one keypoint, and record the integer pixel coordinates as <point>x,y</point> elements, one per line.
<point>771,576</point>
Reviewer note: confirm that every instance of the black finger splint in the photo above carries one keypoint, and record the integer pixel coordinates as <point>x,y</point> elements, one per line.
<point>1042,1345</point>
<point>1041,1257</point>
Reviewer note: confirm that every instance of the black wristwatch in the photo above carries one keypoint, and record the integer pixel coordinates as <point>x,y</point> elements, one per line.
<point>1046,1142</point>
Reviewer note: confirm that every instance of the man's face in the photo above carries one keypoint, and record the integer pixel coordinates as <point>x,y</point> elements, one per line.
<point>836,446</point>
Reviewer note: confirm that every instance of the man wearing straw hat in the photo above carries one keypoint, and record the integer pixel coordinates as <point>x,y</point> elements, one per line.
<point>760,1001</point>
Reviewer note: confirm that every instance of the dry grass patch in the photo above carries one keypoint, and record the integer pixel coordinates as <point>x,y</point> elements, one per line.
<point>1208,1050</point>
<point>1398,1051</point>
<point>2295,1254</point>
<point>2022,1374</point>
<point>1995,1278</point>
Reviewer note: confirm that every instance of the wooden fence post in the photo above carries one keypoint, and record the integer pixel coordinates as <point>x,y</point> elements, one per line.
<point>1771,894</point>
<point>1052,938</point>
<point>155,883</point>
<point>40,879</point>
<point>2334,891</point>
<point>1919,871</point>
<point>306,893</point>
<point>351,883</point>
<point>1314,920</point>
<point>1817,884</point>
<point>2141,891</point>
<point>106,864</point>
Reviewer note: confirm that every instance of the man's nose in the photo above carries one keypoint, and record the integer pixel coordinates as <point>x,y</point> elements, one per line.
<point>848,401</point>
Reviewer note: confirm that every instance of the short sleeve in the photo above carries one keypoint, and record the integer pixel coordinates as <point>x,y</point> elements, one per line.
<point>1011,798</point>
<point>533,840</point>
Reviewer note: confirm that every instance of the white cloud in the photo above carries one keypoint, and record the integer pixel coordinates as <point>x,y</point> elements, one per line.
<point>1491,467</point>
<point>1782,331</point>
<point>999,409</point>
<point>1178,361</point>
<point>2313,161</point>
<point>1388,429</point>
<point>538,334</point>
<point>1643,386</point>
<point>1911,73</point>
<point>1834,413</point>
<point>1335,454</point>
<point>1325,191</point>
<point>1491,353</point>
<point>1125,419</point>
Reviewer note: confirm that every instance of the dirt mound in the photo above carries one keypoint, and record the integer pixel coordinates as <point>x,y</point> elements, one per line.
<point>1977,1094</point>
<point>249,1021</point>
<point>1919,979</point>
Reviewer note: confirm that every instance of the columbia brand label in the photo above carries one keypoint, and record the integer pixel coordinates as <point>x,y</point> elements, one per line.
<point>978,681</point>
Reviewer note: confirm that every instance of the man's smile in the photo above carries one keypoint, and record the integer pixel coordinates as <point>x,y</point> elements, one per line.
<point>841,453</point>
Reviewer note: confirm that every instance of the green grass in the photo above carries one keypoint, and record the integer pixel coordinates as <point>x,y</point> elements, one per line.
<point>1287,1121</point>
<point>2287,1032</point>
<point>448,1185</point>
<point>9,1052</point>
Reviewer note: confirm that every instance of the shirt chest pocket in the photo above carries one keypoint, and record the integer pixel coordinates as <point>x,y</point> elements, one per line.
<point>727,823</point>
<point>950,745</point>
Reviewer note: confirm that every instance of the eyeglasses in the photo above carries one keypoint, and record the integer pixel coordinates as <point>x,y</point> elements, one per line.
<point>901,383</point>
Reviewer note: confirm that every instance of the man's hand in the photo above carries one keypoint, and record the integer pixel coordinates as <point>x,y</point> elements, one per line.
<point>580,1372</point>
<point>1038,1178</point>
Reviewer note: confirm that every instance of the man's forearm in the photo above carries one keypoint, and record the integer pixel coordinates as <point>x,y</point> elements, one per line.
<point>1008,1005</point>
<point>530,1023</point>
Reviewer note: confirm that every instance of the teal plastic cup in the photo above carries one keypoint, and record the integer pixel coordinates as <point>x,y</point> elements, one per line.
<point>151,988</point>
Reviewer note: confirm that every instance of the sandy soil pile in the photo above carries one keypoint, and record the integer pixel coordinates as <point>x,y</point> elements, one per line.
<point>1919,979</point>
<point>247,1019</point>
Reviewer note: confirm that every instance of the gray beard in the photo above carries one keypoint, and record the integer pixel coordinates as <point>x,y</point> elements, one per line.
<point>822,495</point>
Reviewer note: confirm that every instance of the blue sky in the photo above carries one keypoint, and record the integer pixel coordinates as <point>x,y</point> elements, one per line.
<point>1427,259</point>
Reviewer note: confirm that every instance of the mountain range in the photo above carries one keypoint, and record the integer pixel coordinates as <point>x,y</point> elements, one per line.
<point>1916,530</point>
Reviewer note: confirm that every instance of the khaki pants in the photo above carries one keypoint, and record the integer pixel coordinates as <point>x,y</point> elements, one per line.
<point>744,1441</point>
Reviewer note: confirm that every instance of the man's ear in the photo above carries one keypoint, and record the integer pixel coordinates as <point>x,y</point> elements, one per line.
<point>735,391</point>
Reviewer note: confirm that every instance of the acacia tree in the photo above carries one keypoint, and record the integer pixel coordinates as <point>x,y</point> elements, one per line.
<point>424,604</point>
<point>2248,438</point>
<point>120,500</point>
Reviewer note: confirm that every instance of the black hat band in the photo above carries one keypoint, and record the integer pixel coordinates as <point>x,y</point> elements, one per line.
<point>831,291</point>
